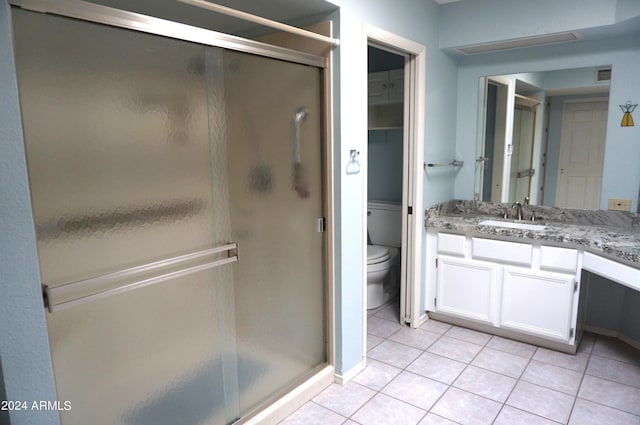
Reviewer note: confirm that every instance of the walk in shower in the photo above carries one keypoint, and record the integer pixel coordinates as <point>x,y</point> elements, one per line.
<point>177,195</point>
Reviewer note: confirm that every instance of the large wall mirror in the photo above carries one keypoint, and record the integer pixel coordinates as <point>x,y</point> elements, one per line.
<point>541,137</point>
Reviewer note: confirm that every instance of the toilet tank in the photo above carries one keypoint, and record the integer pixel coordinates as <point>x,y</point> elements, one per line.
<point>384,223</point>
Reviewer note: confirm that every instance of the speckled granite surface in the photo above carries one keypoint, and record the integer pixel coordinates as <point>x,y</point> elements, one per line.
<point>612,233</point>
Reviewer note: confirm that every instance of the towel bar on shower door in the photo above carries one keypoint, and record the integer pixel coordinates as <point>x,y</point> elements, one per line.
<point>62,297</point>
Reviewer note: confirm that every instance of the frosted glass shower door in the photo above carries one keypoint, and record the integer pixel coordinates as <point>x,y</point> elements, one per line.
<point>178,204</point>
<point>273,128</point>
<point>124,193</point>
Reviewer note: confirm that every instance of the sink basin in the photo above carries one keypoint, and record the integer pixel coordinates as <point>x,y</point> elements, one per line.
<point>510,224</point>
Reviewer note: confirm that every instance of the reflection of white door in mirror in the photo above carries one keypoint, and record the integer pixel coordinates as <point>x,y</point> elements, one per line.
<point>582,155</point>
<point>522,167</point>
<point>495,140</point>
<point>502,172</point>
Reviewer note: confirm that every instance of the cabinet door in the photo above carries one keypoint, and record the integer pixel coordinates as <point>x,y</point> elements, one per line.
<point>537,303</point>
<point>466,288</point>
<point>378,88</point>
<point>396,86</point>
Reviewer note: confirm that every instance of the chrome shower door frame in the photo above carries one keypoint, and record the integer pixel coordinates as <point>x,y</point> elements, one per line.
<point>137,22</point>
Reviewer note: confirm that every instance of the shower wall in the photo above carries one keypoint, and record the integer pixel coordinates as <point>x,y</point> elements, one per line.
<point>143,149</point>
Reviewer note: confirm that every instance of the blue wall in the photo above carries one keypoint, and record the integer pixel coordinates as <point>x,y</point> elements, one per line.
<point>24,347</point>
<point>417,20</point>
<point>385,165</point>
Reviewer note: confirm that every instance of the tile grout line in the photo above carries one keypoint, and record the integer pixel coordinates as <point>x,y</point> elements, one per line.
<point>469,363</point>
<point>329,409</point>
<point>478,395</point>
<point>379,391</point>
<point>591,354</point>
<point>586,367</point>
<point>451,385</point>
<point>616,360</point>
<point>633,362</point>
<point>404,369</point>
<point>519,379</point>
<point>514,387</point>
<point>530,359</point>
<point>609,407</point>
<point>584,374</point>
<point>448,385</point>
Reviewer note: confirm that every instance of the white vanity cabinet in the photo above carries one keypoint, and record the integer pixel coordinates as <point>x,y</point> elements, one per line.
<point>386,87</point>
<point>537,303</point>
<point>521,290</point>
<point>467,288</point>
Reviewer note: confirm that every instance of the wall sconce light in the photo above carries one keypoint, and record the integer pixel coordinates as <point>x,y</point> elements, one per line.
<point>627,118</point>
<point>353,166</point>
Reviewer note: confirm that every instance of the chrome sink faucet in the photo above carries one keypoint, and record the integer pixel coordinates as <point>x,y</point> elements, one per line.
<point>518,207</point>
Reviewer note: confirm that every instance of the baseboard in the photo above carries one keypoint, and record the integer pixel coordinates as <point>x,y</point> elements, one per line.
<point>600,331</point>
<point>632,342</point>
<point>421,321</point>
<point>350,374</point>
<point>614,334</point>
<point>291,401</point>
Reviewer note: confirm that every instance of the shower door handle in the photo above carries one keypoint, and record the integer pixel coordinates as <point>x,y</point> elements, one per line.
<point>299,181</point>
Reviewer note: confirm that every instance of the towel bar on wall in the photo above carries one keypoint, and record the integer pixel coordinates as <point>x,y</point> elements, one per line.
<point>454,163</point>
<point>65,296</point>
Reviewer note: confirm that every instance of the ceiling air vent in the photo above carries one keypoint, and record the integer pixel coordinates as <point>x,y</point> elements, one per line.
<point>604,74</point>
<point>518,43</point>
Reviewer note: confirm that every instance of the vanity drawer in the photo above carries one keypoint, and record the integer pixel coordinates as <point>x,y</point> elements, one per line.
<point>560,259</point>
<point>451,244</point>
<point>508,252</point>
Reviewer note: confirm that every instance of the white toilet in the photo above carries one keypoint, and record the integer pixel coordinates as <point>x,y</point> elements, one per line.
<point>384,224</point>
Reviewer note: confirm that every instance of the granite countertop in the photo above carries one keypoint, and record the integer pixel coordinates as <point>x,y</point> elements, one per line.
<point>612,233</point>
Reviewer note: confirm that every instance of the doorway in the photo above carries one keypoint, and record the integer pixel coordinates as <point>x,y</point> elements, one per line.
<point>401,122</point>
<point>385,165</point>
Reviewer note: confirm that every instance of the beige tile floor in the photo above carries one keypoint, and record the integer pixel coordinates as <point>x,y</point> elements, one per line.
<point>442,374</point>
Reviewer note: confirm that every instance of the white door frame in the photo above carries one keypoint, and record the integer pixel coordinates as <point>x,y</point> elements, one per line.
<point>510,86</point>
<point>413,181</point>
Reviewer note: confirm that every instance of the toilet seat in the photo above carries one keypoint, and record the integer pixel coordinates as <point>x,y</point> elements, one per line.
<point>377,254</point>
